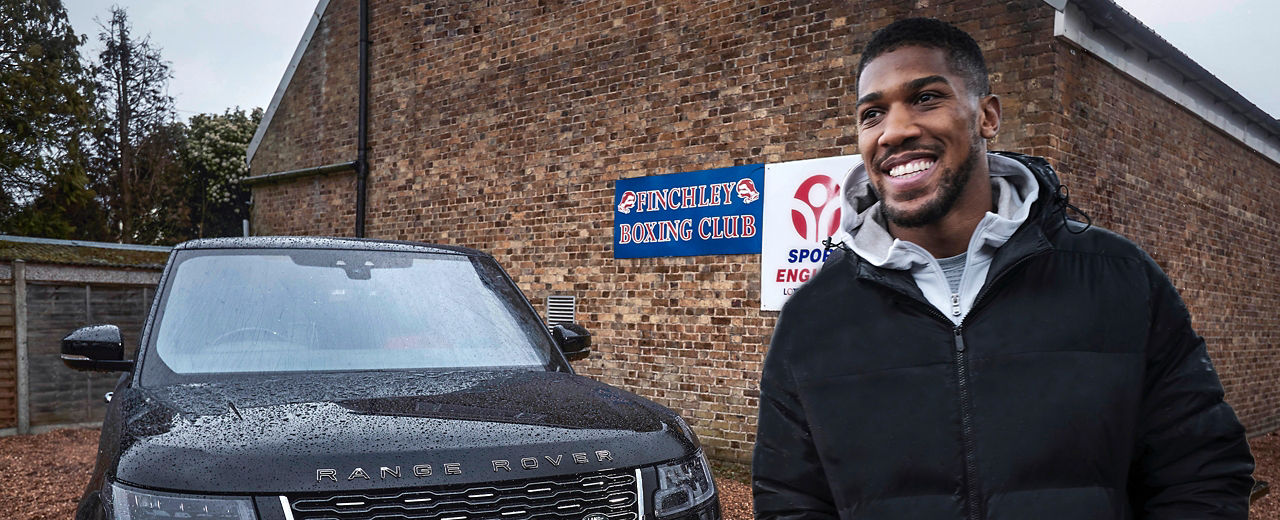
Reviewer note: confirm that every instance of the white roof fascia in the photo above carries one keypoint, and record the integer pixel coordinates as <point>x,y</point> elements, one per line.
<point>1143,66</point>
<point>321,6</point>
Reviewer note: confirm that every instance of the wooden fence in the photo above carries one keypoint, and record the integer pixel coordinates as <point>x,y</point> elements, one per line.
<point>41,303</point>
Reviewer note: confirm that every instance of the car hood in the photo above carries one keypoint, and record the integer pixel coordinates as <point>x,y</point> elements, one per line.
<point>341,432</point>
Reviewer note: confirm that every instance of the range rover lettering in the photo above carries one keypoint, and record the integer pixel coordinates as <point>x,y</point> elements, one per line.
<point>282,378</point>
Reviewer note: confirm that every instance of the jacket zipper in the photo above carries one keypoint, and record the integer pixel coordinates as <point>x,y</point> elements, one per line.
<point>973,496</point>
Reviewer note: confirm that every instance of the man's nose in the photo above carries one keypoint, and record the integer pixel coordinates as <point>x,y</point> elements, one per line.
<point>899,127</point>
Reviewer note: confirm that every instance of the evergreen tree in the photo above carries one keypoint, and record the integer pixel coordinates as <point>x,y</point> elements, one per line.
<point>46,98</point>
<point>137,167</point>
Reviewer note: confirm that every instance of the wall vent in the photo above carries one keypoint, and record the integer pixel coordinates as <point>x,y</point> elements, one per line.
<point>561,309</point>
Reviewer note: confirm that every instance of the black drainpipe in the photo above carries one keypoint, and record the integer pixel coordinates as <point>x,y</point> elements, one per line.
<point>362,150</point>
<point>361,164</point>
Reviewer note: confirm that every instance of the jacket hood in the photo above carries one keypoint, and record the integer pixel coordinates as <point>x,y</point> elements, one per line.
<point>1021,184</point>
<point>271,435</point>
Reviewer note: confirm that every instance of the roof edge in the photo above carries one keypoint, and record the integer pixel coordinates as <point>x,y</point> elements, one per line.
<point>1141,53</point>
<point>83,243</point>
<point>321,7</point>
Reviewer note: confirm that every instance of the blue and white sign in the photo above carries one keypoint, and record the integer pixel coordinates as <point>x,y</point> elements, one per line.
<point>708,212</point>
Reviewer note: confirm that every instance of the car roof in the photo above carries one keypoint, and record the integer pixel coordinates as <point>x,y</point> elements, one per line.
<point>309,242</point>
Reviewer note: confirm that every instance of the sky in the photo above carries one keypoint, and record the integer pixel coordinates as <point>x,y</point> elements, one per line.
<point>229,53</point>
<point>1236,40</point>
<point>222,53</point>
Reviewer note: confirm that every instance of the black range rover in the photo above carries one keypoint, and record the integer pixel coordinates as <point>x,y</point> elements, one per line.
<point>314,378</point>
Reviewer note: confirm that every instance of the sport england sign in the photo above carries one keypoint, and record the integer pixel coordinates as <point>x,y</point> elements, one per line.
<point>802,202</point>
<point>708,212</point>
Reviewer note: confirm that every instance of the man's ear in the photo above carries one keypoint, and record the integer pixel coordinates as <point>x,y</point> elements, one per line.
<point>989,116</point>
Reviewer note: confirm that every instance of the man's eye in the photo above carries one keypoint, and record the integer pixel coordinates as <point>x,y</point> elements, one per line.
<point>869,115</point>
<point>926,97</point>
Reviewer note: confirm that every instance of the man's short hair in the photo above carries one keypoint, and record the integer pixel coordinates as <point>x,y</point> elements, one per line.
<point>963,54</point>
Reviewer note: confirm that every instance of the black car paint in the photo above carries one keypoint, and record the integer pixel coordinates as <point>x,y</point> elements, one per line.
<point>231,439</point>
<point>274,434</point>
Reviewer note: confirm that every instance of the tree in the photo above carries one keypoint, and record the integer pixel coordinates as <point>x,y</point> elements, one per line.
<point>214,157</point>
<point>63,208</point>
<point>46,99</point>
<point>160,206</point>
<point>137,168</point>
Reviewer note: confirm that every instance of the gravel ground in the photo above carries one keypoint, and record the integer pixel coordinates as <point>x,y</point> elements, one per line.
<point>733,482</point>
<point>1266,452</point>
<point>45,474</point>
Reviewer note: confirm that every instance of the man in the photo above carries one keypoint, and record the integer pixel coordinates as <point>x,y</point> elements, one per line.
<point>971,353</point>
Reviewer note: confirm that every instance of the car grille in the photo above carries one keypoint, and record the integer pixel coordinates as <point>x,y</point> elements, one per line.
<point>612,494</point>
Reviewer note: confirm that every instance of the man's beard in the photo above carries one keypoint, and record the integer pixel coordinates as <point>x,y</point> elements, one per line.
<point>949,190</point>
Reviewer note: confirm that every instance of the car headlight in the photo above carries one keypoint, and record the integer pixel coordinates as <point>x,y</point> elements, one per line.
<point>683,485</point>
<point>129,503</point>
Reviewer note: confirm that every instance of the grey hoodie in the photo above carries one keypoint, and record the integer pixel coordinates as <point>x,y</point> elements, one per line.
<point>1014,189</point>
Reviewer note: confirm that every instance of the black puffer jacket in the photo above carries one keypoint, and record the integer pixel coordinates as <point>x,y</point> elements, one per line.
<point>1075,388</point>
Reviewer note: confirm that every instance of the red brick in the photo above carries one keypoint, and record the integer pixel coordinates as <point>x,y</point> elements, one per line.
<point>504,128</point>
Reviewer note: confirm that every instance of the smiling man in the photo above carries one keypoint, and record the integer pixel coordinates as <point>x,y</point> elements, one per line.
<point>971,353</point>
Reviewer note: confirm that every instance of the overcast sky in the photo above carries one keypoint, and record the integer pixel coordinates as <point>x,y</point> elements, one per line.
<point>1236,40</point>
<point>229,53</point>
<point>223,53</point>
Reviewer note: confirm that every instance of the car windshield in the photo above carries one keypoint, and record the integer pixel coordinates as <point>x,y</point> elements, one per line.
<point>337,310</point>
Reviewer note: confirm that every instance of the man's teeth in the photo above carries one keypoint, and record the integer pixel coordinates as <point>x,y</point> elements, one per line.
<point>911,167</point>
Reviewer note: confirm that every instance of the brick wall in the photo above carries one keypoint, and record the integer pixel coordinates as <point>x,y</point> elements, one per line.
<point>1202,204</point>
<point>504,127</point>
<point>316,125</point>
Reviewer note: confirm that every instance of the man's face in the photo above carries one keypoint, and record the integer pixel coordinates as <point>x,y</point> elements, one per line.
<point>921,133</point>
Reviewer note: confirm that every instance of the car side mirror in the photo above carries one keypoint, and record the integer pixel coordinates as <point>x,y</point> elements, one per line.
<point>95,348</point>
<point>573,339</point>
